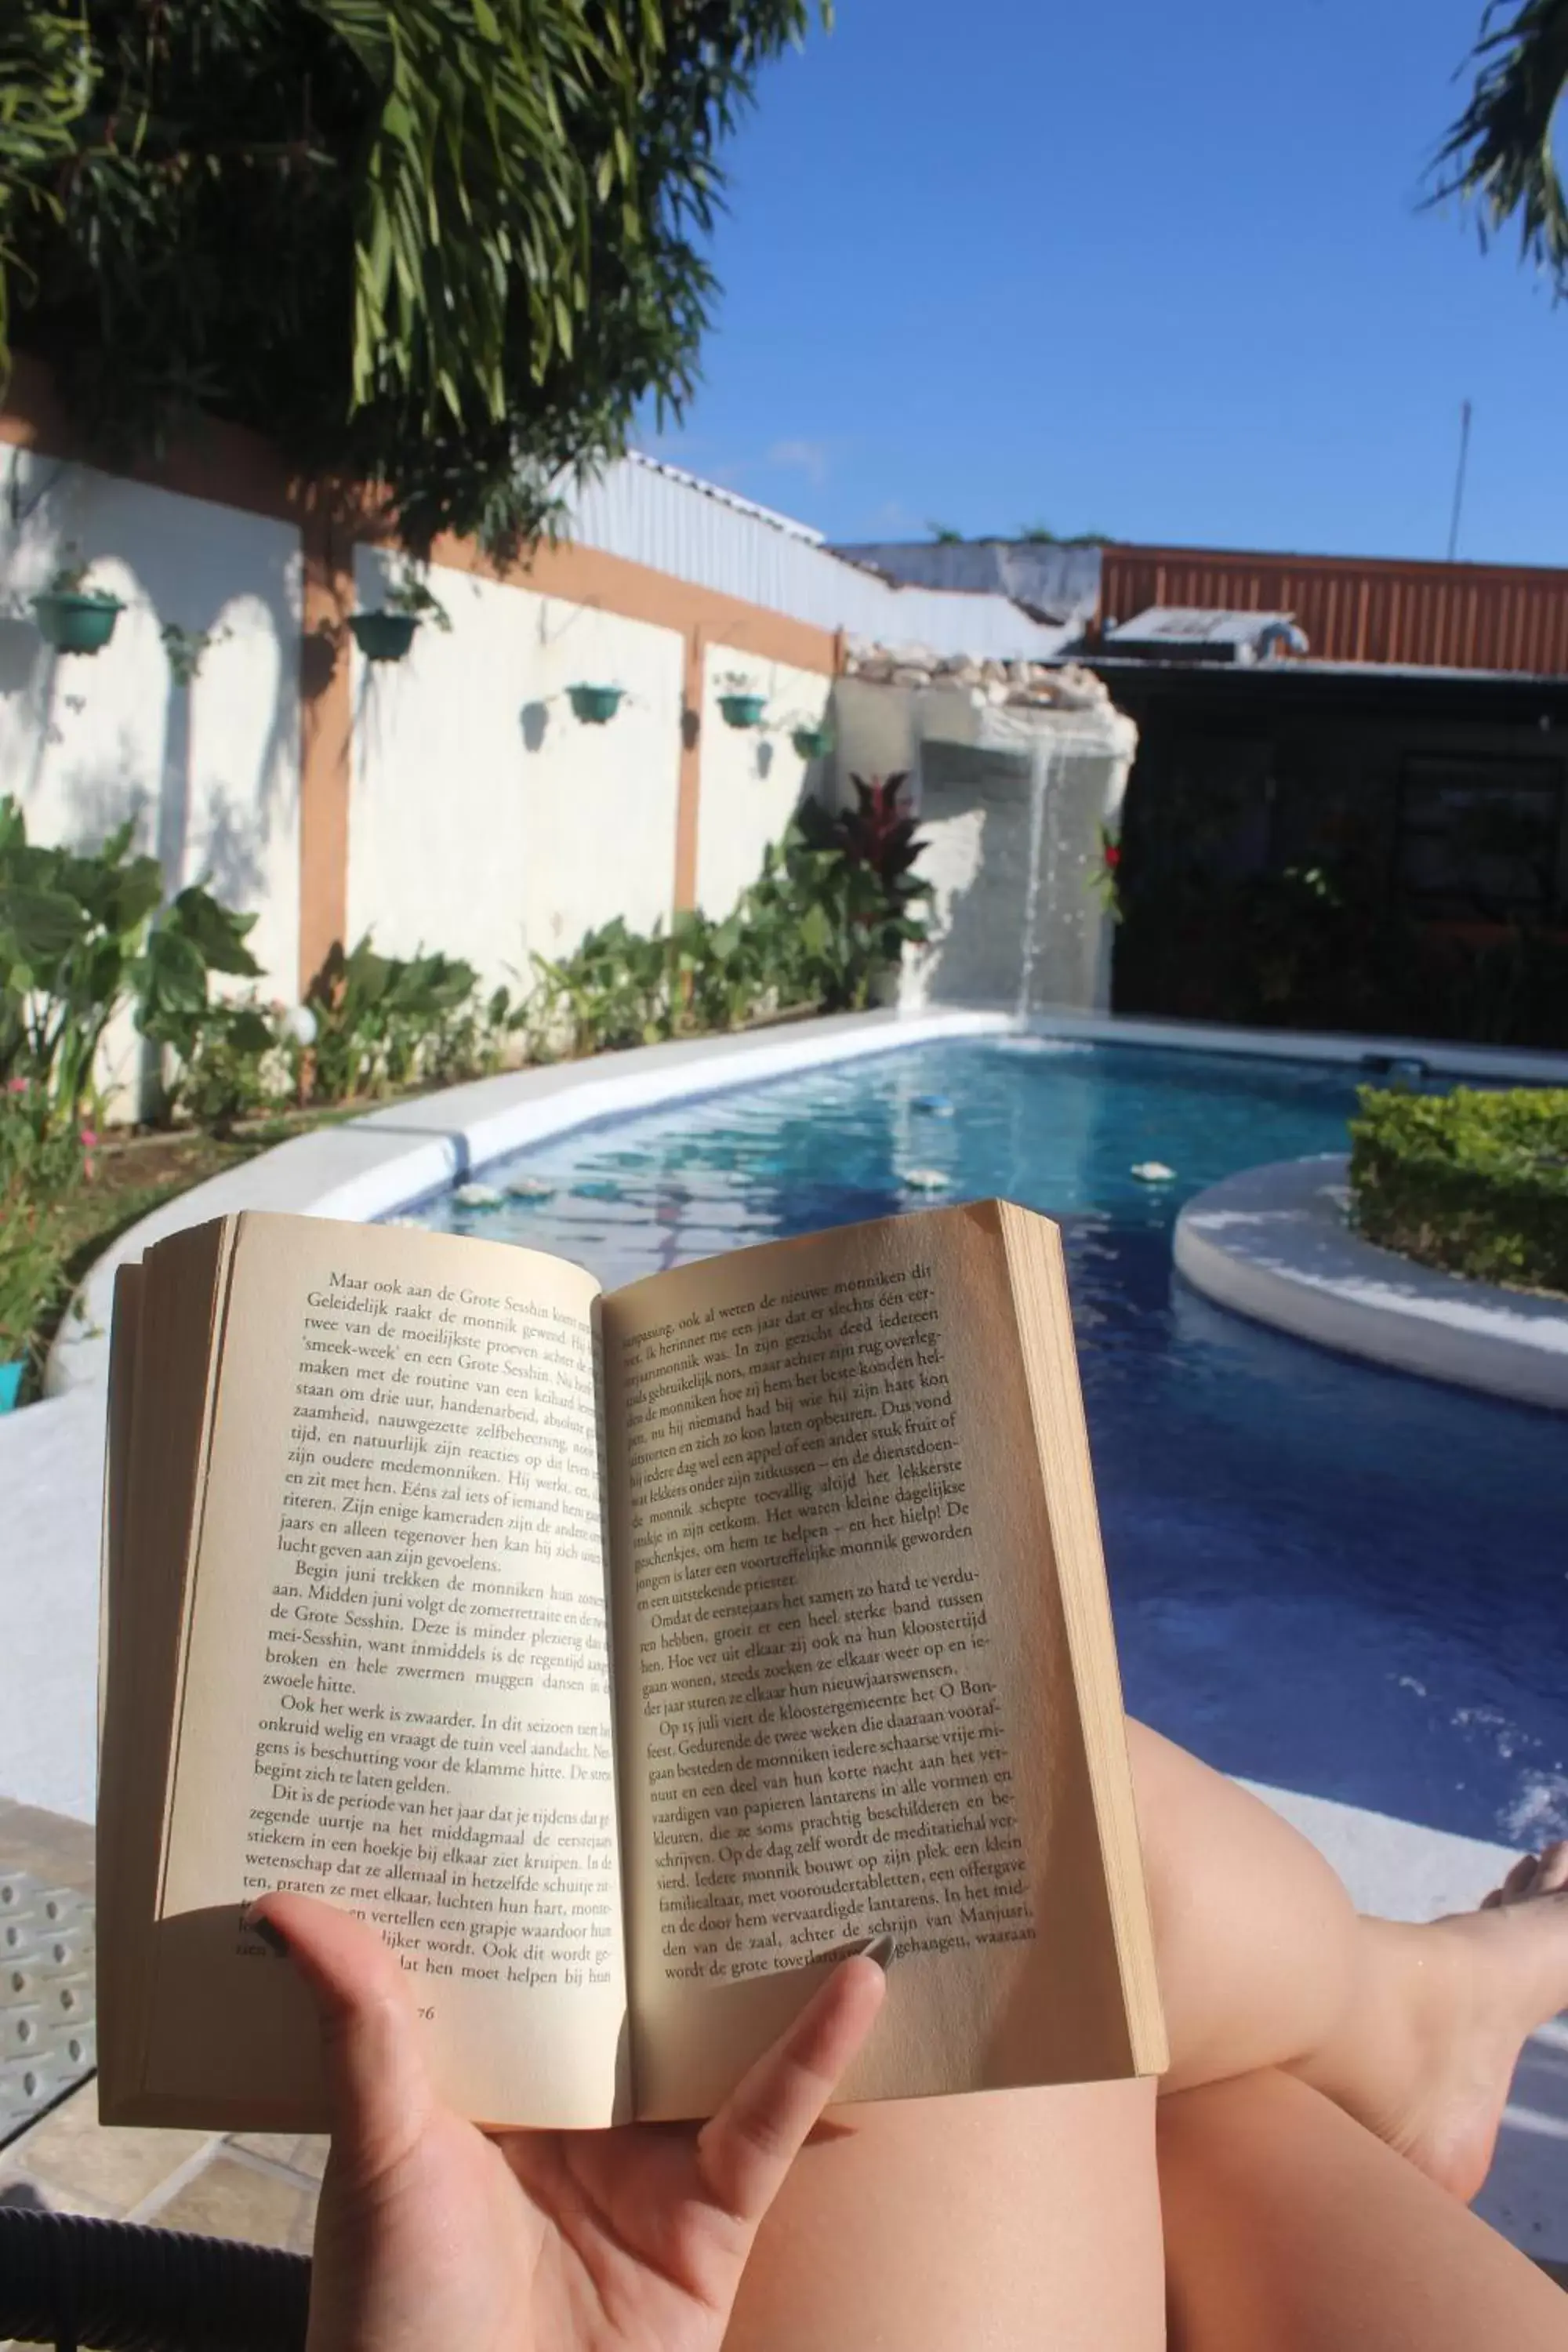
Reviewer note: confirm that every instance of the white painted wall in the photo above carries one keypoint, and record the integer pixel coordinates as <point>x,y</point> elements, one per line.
<point>753,779</point>
<point>485,819</point>
<point>212,775</point>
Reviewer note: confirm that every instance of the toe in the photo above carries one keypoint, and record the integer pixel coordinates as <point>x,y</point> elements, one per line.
<point>1520,1880</point>
<point>1552,1872</point>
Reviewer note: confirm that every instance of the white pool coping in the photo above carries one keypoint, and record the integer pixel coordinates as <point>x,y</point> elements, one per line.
<point>1272,1243</point>
<point>52,1454</point>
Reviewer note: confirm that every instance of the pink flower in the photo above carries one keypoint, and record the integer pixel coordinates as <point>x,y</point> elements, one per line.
<point>16,1086</point>
<point>88,1139</point>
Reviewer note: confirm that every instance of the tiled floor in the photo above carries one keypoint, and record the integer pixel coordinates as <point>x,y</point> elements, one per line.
<point>257,2186</point>
<point>248,2186</point>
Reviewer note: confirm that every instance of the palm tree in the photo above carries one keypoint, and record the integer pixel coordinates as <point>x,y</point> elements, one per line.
<point>1498,156</point>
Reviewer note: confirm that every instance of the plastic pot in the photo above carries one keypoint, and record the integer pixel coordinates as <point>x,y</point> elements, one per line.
<point>383,636</point>
<point>594,705</point>
<point>77,619</point>
<point>742,709</point>
<point>11,1383</point>
<point>811,742</point>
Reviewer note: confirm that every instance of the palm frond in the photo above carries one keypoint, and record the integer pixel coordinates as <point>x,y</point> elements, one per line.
<point>1498,157</point>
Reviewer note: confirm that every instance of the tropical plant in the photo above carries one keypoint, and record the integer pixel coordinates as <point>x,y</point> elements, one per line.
<point>385,1021</point>
<point>45,84</point>
<point>878,842</point>
<point>227,1062</point>
<point>816,929</point>
<point>447,245</point>
<point>1499,156</point>
<point>83,935</point>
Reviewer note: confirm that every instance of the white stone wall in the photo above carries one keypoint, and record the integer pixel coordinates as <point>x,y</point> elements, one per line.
<point>211,773</point>
<point>752,778</point>
<point>485,819</point>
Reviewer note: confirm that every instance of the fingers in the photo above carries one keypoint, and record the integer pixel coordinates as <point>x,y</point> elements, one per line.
<point>745,2151</point>
<point>376,2078</point>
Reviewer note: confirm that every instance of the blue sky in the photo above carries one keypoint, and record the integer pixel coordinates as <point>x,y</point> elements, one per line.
<point>1154,270</point>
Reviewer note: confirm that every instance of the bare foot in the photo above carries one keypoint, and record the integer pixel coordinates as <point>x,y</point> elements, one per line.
<point>1445,2010</point>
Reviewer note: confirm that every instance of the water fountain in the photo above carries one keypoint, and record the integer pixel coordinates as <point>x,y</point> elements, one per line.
<point>1014,799</point>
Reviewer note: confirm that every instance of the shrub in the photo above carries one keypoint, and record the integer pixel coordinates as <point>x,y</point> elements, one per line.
<point>1477,1183</point>
<point>830,910</point>
<point>384,1021</point>
<point>40,1164</point>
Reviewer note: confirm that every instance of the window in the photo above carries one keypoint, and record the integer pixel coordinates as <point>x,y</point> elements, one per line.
<point>1478,838</point>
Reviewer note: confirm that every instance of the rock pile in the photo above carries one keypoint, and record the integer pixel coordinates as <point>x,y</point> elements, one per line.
<point>1019,685</point>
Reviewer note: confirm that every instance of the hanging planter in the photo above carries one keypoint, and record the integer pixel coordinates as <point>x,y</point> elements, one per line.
<point>595,706</point>
<point>383,636</point>
<point>811,742</point>
<point>742,709</point>
<point>386,636</point>
<point>77,619</point>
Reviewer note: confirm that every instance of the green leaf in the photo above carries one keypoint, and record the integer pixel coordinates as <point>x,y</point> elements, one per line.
<point>42,925</point>
<point>217,934</point>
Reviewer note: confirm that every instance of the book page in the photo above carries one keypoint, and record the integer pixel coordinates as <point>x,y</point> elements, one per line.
<point>397,1683</point>
<point>847,1705</point>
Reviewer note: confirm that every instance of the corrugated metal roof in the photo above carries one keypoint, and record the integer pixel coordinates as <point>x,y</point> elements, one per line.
<point>1465,616</point>
<point>654,514</point>
<point>1060,583</point>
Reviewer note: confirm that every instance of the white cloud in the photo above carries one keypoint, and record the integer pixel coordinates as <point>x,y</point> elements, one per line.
<point>807,458</point>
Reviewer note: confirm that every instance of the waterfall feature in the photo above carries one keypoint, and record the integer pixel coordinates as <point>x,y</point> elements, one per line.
<point>1012,803</point>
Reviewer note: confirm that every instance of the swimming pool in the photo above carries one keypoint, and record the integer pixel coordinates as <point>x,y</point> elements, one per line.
<point>1325,1575</point>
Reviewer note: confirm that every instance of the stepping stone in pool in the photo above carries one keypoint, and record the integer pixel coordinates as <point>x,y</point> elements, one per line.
<point>478,1196</point>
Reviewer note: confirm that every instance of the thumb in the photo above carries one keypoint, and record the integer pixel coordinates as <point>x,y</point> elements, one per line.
<point>745,2151</point>
<point>378,2086</point>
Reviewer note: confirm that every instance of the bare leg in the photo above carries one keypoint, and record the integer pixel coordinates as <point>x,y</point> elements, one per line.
<point>1001,2223</point>
<point>1288,2226</point>
<point>1264,1962</point>
<point>1024,2218</point>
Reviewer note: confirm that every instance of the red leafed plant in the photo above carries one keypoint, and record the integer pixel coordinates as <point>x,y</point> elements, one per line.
<point>878,832</point>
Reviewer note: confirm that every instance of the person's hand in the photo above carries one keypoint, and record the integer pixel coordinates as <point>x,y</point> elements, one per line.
<point>434,2233</point>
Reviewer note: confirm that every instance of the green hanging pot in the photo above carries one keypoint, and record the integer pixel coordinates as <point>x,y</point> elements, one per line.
<point>811,742</point>
<point>383,636</point>
<point>77,619</point>
<point>594,705</point>
<point>742,709</point>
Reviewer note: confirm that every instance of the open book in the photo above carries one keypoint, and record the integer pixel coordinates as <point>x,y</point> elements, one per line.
<point>627,1659</point>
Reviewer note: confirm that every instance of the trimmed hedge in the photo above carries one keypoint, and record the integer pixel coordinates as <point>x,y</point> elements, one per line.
<point>1474,1182</point>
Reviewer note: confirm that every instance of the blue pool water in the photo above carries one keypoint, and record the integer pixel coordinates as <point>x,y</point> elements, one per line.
<point>1326,1576</point>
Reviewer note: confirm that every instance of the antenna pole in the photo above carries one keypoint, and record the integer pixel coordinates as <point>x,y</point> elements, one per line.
<point>1459,478</point>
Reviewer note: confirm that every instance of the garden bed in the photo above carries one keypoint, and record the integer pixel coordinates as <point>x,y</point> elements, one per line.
<point>1474,1183</point>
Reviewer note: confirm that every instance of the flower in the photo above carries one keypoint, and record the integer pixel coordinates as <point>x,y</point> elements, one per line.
<point>1112,855</point>
<point>89,1138</point>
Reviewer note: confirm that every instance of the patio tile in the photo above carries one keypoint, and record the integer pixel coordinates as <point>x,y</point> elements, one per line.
<point>301,2152</point>
<point>70,2154</point>
<point>231,2198</point>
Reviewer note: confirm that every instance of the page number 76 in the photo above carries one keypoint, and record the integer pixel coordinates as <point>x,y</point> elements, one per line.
<point>427,2012</point>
